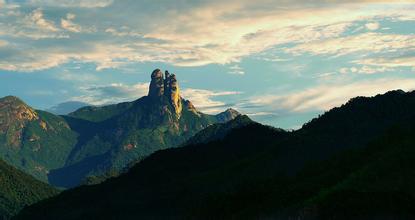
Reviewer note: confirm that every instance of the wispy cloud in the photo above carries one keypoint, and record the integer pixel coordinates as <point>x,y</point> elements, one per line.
<point>366,42</point>
<point>372,26</point>
<point>408,61</point>
<point>236,69</point>
<point>38,19</point>
<point>3,43</point>
<point>365,69</point>
<point>67,23</point>
<point>112,93</point>
<point>325,97</point>
<point>73,3</point>
<point>192,34</point>
<point>204,99</point>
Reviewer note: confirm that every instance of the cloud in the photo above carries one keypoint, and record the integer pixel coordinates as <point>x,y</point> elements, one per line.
<point>203,99</point>
<point>389,62</point>
<point>366,42</point>
<point>103,55</point>
<point>38,19</point>
<point>372,26</point>
<point>122,32</point>
<point>112,93</point>
<point>365,69</point>
<point>33,25</point>
<point>325,97</point>
<point>235,69</point>
<point>186,33</point>
<point>73,3</point>
<point>3,43</point>
<point>67,23</point>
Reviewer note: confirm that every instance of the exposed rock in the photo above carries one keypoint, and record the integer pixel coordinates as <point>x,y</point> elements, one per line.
<point>174,94</point>
<point>14,114</point>
<point>189,106</point>
<point>167,87</point>
<point>227,115</point>
<point>43,125</point>
<point>166,82</point>
<point>156,84</point>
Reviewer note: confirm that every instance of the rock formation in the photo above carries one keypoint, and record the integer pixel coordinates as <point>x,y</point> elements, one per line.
<point>167,87</point>
<point>156,84</point>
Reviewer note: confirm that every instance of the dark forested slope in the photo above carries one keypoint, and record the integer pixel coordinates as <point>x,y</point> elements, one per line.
<point>353,161</point>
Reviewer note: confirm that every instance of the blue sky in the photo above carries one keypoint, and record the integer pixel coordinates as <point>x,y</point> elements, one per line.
<point>280,62</point>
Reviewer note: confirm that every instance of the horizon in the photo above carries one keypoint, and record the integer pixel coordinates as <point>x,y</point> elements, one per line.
<point>280,63</point>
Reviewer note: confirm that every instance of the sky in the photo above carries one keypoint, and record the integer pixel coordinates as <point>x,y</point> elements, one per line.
<point>280,62</point>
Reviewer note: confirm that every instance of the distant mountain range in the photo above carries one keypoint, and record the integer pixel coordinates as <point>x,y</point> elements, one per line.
<point>353,162</point>
<point>99,141</point>
<point>66,107</point>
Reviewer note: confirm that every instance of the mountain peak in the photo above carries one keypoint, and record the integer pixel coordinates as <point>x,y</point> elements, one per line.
<point>14,114</point>
<point>166,86</point>
<point>12,107</point>
<point>11,99</point>
<point>227,115</point>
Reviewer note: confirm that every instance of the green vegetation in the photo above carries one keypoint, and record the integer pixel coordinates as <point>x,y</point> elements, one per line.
<point>112,137</point>
<point>33,141</point>
<point>18,190</point>
<point>218,131</point>
<point>94,142</point>
<point>98,114</point>
<point>353,162</point>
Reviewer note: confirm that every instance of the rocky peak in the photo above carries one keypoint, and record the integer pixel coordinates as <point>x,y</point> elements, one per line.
<point>14,114</point>
<point>13,108</point>
<point>156,84</point>
<point>166,86</point>
<point>227,115</point>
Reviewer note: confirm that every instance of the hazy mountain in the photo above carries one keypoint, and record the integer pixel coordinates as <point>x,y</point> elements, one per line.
<point>66,107</point>
<point>353,162</point>
<point>18,190</point>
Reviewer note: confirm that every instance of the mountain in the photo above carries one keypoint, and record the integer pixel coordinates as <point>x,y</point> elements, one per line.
<point>31,140</point>
<point>18,190</point>
<point>99,141</point>
<point>114,136</point>
<point>219,130</point>
<point>353,162</point>
<point>66,107</point>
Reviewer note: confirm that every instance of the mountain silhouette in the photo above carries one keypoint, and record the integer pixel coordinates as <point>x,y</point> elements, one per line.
<point>353,162</point>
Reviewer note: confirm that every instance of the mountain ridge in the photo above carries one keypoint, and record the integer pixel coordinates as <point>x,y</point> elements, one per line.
<point>92,141</point>
<point>257,171</point>
<point>18,189</point>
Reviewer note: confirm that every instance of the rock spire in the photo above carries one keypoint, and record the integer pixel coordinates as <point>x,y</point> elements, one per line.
<point>166,86</point>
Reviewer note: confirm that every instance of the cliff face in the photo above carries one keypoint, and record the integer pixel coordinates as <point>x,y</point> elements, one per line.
<point>156,84</point>
<point>166,88</point>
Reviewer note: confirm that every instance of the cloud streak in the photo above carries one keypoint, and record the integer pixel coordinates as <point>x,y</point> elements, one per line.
<point>325,97</point>
<point>205,101</point>
<point>72,3</point>
<point>112,93</point>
